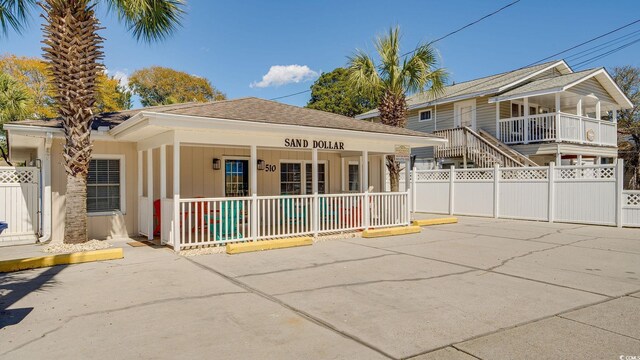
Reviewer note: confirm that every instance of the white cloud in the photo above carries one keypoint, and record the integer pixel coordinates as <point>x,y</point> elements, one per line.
<point>285,74</point>
<point>121,76</point>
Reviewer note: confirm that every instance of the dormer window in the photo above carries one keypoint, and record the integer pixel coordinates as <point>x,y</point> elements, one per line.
<point>425,115</point>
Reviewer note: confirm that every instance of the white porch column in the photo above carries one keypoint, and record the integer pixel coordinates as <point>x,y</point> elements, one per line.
<point>140,188</point>
<point>163,171</point>
<point>150,191</point>
<point>364,171</point>
<point>579,107</point>
<point>614,115</point>
<point>364,186</point>
<point>176,195</point>
<point>579,160</point>
<point>598,115</point>
<point>557,127</point>
<point>253,178</point>
<point>498,120</point>
<point>526,120</point>
<point>163,187</point>
<point>559,158</point>
<point>315,215</point>
<point>597,161</point>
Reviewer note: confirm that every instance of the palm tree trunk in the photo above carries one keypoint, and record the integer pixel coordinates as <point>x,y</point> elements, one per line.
<point>72,47</point>
<point>393,112</point>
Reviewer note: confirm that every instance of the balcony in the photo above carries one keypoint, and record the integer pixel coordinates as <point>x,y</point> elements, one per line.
<point>557,127</point>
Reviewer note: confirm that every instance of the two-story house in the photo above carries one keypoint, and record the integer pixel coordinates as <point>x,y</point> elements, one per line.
<point>525,117</point>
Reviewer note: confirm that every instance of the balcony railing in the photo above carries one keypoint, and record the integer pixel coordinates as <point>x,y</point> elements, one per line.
<point>559,127</point>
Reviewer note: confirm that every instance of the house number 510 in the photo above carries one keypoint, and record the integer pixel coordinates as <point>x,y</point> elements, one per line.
<point>270,168</point>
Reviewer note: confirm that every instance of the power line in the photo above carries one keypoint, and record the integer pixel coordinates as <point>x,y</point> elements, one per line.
<point>432,42</point>
<point>494,78</point>
<point>466,26</point>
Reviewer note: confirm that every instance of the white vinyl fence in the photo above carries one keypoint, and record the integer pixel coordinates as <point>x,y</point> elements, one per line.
<point>208,221</point>
<point>591,194</point>
<point>19,204</point>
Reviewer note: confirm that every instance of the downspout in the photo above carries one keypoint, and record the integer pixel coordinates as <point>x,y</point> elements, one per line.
<point>45,190</point>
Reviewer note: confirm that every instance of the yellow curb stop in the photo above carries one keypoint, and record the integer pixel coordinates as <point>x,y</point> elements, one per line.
<point>60,259</point>
<point>440,221</point>
<point>268,244</point>
<point>402,230</point>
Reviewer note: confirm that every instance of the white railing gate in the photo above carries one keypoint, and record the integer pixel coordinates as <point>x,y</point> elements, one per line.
<point>19,204</point>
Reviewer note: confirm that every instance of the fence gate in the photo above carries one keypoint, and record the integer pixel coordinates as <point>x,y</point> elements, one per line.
<point>19,204</point>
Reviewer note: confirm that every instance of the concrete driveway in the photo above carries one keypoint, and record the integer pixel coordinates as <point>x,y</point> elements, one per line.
<point>482,288</point>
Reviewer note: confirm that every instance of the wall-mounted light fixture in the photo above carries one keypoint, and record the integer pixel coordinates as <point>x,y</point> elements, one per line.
<point>261,164</point>
<point>216,164</point>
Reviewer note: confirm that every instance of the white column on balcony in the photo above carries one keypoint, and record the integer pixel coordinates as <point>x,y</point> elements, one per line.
<point>558,158</point>
<point>579,107</point>
<point>579,113</point>
<point>579,160</point>
<point>614,115</point>
<point>598,115</point>
<point>150,192</point>
<point>557,127</point>
<point>526,120</point>
<point>498,120</point>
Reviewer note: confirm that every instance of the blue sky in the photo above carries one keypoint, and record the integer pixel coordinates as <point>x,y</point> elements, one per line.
<point>235,43</point>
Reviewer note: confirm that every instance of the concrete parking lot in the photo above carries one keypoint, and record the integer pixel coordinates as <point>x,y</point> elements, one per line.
<point>482,288</point>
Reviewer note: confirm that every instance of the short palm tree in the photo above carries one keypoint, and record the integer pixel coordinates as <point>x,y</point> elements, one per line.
<point>73,49</point>
<point>393,79</point>
<point>14,105</point>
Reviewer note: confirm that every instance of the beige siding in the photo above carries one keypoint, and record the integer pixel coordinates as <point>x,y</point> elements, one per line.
<point>486,115</point>
<point>198,179</point>
<point>592,86</point>
<point>99,227</point>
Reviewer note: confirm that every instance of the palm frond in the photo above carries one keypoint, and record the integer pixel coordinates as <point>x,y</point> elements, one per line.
<point>14,99</point>
<point>14,14</point>
<point>419,71</point>
<point>363,75</point>
<point>388,48</point>
<point>149,20</point>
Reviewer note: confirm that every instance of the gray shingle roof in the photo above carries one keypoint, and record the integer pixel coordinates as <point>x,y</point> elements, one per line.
<point>249,109</point>
<point>548,84</point>
<point>484,84</point>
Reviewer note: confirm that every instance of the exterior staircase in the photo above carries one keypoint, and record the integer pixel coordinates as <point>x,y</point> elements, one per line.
<point>482,149</point>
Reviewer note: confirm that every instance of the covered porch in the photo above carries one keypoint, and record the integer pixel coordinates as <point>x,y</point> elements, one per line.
<point>222,181</point>
<point>577,108</point>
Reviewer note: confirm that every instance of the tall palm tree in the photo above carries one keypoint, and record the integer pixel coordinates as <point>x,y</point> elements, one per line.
<point>14,105</point>
<point>72,46</point>
<point>393,79</point>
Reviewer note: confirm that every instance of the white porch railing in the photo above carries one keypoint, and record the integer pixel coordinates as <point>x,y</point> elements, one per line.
<point>557,127</point>
<point>210,221</point>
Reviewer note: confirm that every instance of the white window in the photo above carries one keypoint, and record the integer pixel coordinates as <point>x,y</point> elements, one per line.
<point>425,115</point>
<point>292,174</point>
<point>105,185</point>
<point>354,177</point>
<point>290,179</point>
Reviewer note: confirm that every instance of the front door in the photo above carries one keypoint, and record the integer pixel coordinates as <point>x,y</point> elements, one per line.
<point>236,178</point>
<point>465,114</point>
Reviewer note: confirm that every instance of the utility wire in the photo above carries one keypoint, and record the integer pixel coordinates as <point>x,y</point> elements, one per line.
<point>432,42</point>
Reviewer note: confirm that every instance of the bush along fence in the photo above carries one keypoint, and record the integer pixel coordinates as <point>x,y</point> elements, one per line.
<point>589,194</point>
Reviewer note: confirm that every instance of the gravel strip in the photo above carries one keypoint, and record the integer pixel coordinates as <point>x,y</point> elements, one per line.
<point>59,248</point>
